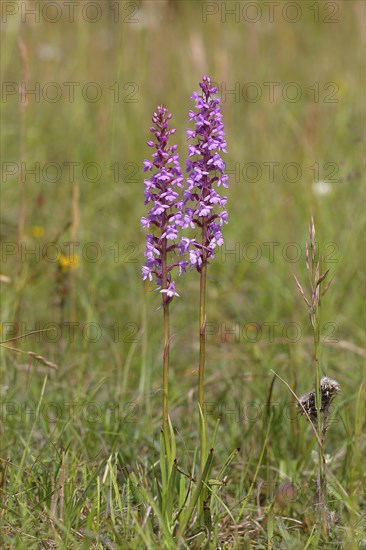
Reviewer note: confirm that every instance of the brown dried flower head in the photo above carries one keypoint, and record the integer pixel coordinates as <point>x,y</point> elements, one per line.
<point>328,389</point>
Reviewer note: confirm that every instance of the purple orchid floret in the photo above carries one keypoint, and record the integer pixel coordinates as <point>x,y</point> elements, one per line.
<point>170,291</point>
<point>205,169</point>
<point>160,190</point>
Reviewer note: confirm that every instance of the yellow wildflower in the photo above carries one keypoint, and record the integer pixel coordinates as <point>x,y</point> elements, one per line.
<point>68,262</point>
<point>37,231</point>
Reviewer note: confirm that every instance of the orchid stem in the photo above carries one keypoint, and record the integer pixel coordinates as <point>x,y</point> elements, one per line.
<point>202,326</point>
<point>166,352</point>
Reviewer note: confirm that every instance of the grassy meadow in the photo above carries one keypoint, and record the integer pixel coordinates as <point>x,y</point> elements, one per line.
<point>81,417</point>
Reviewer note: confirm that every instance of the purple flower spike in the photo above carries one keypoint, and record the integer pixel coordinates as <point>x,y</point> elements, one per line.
<point>205,168</point>
<point>160,191</point>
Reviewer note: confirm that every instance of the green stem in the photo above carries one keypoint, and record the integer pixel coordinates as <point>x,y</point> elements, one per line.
<point>202,357</point>
<point>166,350</point>
<point>166,373</point>
<point>318,403</point>
<point>202,322</point>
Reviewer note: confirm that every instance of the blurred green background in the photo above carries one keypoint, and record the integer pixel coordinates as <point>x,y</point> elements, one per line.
<point>134,56</point>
